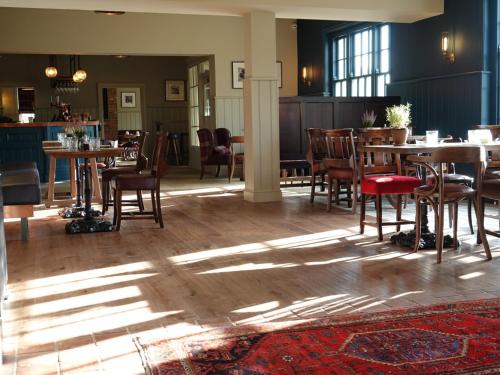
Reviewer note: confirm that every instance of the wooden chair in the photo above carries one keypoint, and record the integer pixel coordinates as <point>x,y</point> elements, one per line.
<point>493,160</point>
<point>316,152</point>
<point>340,165</point>
<point>213,154</point>
<point>439,192</point>
<point>380,174</point>
<point>140,182</point>
<point>109,174</point>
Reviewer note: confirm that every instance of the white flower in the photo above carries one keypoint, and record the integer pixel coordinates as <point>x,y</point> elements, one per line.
<point>399,116</point>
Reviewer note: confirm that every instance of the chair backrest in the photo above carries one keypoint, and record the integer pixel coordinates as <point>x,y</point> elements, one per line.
<point>158,163</point>
<point>222,137</point>
<point>466,154</point>
<point>206,139</point>
<point>376,162</point>
<point>317,149</point>
<point>340,148</point>
<point>142,160</point>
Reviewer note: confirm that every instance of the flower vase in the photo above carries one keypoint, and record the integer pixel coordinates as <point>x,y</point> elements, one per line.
<point>399,136</point>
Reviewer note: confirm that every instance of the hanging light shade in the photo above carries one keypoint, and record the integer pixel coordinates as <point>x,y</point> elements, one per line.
<point>76,78</point>
<point>81,75</point>
<point>51,72</point>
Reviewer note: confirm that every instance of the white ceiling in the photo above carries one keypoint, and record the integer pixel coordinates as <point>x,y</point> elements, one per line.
<point>342,10</point>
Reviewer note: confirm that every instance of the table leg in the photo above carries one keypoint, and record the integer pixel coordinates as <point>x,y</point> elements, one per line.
<point>95,180</point>
<point>72,179</point>
<point>89,224</point>
<point>427,238</point>
<point>52,181</point>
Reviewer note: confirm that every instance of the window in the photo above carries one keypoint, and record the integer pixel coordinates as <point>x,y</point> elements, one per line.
<point>194,109</point>
<point>361,62</point>
<point>26,104</point>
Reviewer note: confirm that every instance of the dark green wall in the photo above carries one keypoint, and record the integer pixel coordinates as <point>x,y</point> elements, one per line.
<point>448,97</point>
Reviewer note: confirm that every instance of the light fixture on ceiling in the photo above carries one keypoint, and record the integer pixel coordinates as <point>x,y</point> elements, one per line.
<point>109,12</point>
<point>447,47</point>
<point>80,75</point>
<point>51,70</point>
<point>307,75</point>
<point>120,56</point>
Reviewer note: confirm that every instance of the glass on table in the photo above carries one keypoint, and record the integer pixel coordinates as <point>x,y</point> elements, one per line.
<point>432,137</point>
<point>94,143</point>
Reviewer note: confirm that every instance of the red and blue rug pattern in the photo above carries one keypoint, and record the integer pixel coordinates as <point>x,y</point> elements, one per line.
<point>459,338</point>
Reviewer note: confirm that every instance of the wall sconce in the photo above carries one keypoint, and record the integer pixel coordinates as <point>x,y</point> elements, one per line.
<point>307,76</point>
<point>447,48</point>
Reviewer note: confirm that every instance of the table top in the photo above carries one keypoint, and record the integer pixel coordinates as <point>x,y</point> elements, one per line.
<point>425,148</point>
<point>65,153</point>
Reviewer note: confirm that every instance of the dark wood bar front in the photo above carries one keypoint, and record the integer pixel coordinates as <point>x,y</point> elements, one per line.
<point>23,142</point>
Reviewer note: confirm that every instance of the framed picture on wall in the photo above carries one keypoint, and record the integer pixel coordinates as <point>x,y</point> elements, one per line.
<point>175,91</point>
<point>238,73</point>
<point>128,100</point>
<point>238,70</point>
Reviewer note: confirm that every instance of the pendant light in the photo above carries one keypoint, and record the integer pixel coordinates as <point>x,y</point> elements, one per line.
<point>80,75</point>
<point>51,70</point>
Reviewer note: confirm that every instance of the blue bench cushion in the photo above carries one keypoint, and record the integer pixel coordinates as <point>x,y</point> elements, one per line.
<point>20,185</point>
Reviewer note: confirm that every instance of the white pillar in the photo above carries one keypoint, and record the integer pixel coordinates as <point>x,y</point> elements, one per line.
<point>260,93</point>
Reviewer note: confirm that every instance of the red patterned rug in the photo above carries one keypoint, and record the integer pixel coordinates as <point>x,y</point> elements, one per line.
<point>458,338</point>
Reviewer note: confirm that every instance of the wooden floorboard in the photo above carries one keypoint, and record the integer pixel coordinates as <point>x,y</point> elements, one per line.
<point>77,302</point>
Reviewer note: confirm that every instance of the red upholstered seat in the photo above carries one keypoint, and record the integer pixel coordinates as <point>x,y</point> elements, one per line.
<point>377,185</point>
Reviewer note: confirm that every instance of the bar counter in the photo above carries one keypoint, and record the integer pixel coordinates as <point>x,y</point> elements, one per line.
<point>23,142</point>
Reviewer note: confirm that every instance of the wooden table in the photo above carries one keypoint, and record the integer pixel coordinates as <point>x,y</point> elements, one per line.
<point>60,153</point>
<point>412,149</point>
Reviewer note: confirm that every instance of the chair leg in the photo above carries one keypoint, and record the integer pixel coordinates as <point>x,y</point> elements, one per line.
<point>140,201</point>
<point>322,182</point>
<point>455,225</point>
<point>158,208</point>
<point>330,194</point>
<point>399,211</point>
<point>202,172</point>
<point>118,205</point>
<point>233,166</point>
<point>450,214</point>
<point>337,192</point>
<point>229,170</point>
<point>479,208</point>
<point>115,209</point>
<point>217,173</point>
<point>469,213</point>
<point>362,214</point>
<point>105,196</point>
<point>153,205</point>
<point>418,233</point>
<point>313,187</point>
<point>355,195</point>
<point>378,209</point>
<point>440,232</point>
<point>176,151</point>
<point>349,194</point>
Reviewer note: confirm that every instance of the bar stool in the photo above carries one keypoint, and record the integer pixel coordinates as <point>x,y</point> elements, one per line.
<point>173,144</point>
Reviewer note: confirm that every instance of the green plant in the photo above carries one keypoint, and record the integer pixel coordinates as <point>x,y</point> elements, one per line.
<point>368,119</point>
<point>79,132</point>
<point>399,116</point>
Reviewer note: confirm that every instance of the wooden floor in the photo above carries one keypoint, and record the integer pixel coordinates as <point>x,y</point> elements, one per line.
<point>77,302</point>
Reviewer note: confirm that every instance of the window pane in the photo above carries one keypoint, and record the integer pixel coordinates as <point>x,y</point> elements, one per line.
<point>357,66</point>
<point>341,69</point>
<point>384,37</point>
<point>384,61</point>
<point>354,87</point>
<point>387,79</point>
<point>368,91</point>
<point>341,49</point>
<point>338,91</point>
<point>357,44</point>
<point>366,42</point>
<point>364,64</point>
<point>380,85</point>
<point>344,88</point>
<point>361,87</point>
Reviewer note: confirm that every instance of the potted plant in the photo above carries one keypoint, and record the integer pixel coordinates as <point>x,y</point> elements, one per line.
<point>399,117</point>
<point>368,119</point>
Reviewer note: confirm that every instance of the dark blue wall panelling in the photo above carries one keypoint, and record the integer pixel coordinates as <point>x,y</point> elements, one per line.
<point>448,97</point>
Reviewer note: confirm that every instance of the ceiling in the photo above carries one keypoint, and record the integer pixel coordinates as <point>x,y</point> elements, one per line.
<point>341,10</point>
